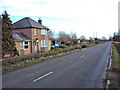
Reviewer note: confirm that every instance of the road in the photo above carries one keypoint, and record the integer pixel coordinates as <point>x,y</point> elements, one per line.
<point>83,69</point>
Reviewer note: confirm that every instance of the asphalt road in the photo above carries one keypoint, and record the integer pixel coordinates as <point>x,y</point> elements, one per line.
<point>83,69</point>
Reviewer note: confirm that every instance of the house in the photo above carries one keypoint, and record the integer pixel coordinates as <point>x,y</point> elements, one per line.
<point>30,36</point>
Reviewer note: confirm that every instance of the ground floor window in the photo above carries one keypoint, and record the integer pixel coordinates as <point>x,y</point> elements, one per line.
<point>43,43</point>
<point>24,45</point>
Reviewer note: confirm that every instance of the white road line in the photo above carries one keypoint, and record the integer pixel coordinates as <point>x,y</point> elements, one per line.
<point>82,56</point>
<point>42,76</point>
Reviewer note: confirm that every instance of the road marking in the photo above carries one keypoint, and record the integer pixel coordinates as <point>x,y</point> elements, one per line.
<point>82,56</point>
<point>42,76</point>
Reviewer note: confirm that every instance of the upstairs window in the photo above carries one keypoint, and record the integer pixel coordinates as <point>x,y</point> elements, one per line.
<point>43,32</point>
<point>24,45</point>
<point>35,31</point>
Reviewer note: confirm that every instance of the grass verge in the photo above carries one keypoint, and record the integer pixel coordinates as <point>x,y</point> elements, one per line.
<point>115,62</point>
<point>114,69</point>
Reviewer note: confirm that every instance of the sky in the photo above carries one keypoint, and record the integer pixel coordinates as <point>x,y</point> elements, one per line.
<point>91,18</point>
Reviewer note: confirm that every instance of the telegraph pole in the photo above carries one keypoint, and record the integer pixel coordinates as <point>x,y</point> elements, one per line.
<point>96,34</point>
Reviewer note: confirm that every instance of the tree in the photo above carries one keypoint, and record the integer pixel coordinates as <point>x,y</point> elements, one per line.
<point>82,38</point>
<point>63,37</point>
<point>50,34</point>
<point>110,38</point>
<point>8,43</point>
<point>103,38</point>
<point>90,38</point>
<point>73,38</point>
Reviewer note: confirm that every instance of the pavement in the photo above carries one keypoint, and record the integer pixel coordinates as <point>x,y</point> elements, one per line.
<point>83,69</point>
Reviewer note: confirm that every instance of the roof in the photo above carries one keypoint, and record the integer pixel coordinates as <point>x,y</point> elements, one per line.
<point>20,36</point>
<point>27,23</point>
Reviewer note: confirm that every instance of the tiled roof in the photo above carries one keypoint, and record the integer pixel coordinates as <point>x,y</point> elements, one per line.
<point>27,22</point>
<point>20,36</point>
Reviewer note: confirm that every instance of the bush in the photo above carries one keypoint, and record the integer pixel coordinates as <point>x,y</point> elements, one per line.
<point>58,48</point>
<point>16,52</point>
<point>62,46</point>
<point>41,51</point>
<point>18,59</point>
<point>96,42</point>
<point>34,56</point>
<point>68,44</point>
<point>84,46</point>
<point>78,47</point>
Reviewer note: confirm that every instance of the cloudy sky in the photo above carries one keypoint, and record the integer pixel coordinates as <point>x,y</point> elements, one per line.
<point>81,16</point>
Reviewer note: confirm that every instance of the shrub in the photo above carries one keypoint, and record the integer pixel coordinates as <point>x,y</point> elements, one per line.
<point>68,44</point>
<point>42,58</point>
<point>58,48</point>
<point>78,46</point>
<point>62,46</point>
<point>41,51</point>
<point>84,46</point>
<point>96,42</point>
<point>16,52</point>
<point>25,58</point>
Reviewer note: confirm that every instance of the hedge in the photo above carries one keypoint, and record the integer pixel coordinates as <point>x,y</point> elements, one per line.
<point>22,58</point>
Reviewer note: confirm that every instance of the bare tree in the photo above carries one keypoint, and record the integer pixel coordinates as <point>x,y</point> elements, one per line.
<point>103,38</point>
<point>63,37</point>
<point>73,36</point>
<point>82,38</point>
<point>90,38</point>
<point>50,34</point>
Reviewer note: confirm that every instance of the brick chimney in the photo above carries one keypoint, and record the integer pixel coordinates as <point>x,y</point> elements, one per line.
<point>40,21</point>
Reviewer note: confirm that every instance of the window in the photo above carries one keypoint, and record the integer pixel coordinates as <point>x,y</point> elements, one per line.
<point>35,31</point>
<point>43,32</point>
<point>43,43</point>
<point>24,45</point>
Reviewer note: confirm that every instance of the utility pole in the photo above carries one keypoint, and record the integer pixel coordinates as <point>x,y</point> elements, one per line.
<point>96,34</point>
<point>93,35</point>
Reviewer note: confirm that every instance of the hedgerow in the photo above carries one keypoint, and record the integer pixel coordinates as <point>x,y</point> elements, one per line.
<point>23,58</point>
